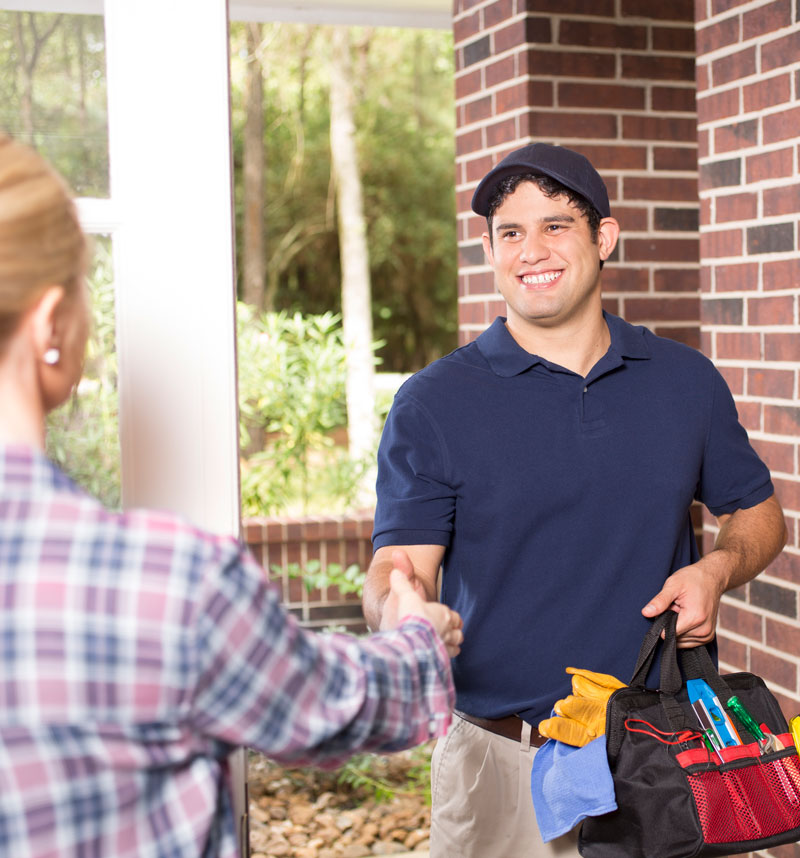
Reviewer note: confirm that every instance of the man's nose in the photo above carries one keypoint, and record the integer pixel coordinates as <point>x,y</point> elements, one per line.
<point>534,248</point>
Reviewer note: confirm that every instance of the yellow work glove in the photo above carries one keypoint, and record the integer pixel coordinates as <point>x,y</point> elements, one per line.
<point>581,716</point>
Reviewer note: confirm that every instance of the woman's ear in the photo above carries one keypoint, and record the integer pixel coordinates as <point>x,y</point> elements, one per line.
<point>44,324</point>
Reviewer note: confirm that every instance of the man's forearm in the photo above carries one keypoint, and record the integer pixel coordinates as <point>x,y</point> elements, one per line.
<point>748,541</point>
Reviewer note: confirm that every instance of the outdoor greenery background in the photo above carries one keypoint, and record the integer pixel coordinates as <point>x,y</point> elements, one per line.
<point>290,348</point>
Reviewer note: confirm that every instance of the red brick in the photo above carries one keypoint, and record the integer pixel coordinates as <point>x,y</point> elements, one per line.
<point>477,168</point>
<point>499,132</point>
<point>661,190</point>
<point>735,207</point>
<point>726,242</point>
<point>702,76</point>
<point>522,32</point>
<point>782,347</point>
<point>770,383</point>
<point>734,378</point>
<point>782,420</point>
<point>625,280</point>
<point>673,39</point>
<point>720,105</point>
<point>466,27</point>
<point>766,19</point>
<point>732,653</point>
<point>783,274</point>
<point>688,335</point>
<point>631,218</point>
<point>786,566</point>
<point>673,98</point>
<point>475,111</point>
<point>783,200</point>
<point>504,69</point>
<point>722,311</point>
<point>780,52</point>
<point>615,157</point>
<point>720,7</point>
<point>676,280</point>
<point>718,35</point>
<point>745,623</point>
<point>750,415</point>
<point>772,668</point>
<point>599,8</point>
<point>496,13</point>
<point>468,83</point>
<point>514,97</point>
<point>601,96</point>
<point>703,140</point>
<point>734,67</point>
<point>738,345</point>
<point>657,67</point>
<point>675,158</point>
<point>468,142</point>
<point>778,310</point>
<point>767,93</point>
<point>781,126</point>
<point>736,135</point>
<point>594,34</point>
<point>567,124</point>
<point>700,10</point>
<point>676,10</point>
<point>662,309</point>
<point>740,277</point>
<point>770,165</point>
<point>571,64</point>
<point>776,456</point>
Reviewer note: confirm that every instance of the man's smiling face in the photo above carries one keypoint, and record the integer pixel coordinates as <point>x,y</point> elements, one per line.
<point>546,265</point>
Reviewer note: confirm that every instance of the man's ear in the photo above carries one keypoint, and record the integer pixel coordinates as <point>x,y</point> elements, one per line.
<point>607,236</point>
<point>487,248</point>
<point>43,322</point>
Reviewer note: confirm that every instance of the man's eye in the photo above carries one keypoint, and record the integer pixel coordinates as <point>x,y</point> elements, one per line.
<point>511,233</point>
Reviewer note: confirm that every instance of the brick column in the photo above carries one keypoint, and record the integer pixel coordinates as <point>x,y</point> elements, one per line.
<point>748,80</point>
<point>613,79</point>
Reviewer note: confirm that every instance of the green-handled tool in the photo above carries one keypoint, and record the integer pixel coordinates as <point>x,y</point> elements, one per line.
<point>750,723</point>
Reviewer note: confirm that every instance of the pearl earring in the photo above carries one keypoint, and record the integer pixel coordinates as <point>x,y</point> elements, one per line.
<point>52,356</point>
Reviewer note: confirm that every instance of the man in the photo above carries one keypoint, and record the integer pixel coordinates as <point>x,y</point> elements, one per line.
<point>548,468</point>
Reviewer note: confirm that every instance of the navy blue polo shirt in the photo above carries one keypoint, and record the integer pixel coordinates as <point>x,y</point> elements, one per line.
<point>563,501</point>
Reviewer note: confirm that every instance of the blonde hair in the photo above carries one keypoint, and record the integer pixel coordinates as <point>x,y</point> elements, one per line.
<point>41,241</point>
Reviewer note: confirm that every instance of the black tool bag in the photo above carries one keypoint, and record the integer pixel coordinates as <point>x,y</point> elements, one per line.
<point>675,797</point>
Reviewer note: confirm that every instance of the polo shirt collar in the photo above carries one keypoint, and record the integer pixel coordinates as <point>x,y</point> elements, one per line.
<point>507,358</point>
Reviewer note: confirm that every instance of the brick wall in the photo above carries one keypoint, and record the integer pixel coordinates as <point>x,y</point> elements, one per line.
<point>613,79</point>
<point>748,101</point>
<point>344,540</point>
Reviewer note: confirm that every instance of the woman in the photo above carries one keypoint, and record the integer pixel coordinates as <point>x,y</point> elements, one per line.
<point>138,651</point>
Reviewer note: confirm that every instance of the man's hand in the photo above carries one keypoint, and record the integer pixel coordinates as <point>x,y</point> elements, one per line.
<point>694,592</point>
<point>391,612</point>
<point>748,541</point>
<point>409,602</point>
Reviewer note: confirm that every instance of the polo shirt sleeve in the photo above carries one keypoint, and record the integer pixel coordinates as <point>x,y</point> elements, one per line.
<point>733,476</point>
<point>416,501</point>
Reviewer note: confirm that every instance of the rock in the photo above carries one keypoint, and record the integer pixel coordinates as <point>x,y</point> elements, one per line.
<point>388,847</point>
<point>356,850</point>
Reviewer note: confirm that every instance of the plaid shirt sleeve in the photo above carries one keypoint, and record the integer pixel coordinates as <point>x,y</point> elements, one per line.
<point>302,697</point>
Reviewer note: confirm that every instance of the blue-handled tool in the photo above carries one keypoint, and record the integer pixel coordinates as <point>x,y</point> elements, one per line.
<point>699,690</point>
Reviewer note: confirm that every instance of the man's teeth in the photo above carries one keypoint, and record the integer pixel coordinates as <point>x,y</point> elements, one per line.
<point>533,279</point>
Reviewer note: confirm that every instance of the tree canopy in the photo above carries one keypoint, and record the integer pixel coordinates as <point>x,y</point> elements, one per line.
<point>405,128</point>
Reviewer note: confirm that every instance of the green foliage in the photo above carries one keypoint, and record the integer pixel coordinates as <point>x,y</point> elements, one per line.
<point>367,771</point>
<point>53,92</point>
<point>292,403</point>
<point>83,434</point>
<point>316,577</point>
<point>405,133</point>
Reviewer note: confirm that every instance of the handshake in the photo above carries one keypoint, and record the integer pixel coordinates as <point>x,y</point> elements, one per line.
<point>581,716</point>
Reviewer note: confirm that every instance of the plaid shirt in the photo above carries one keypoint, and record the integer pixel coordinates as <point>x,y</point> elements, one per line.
<point>137,652</point>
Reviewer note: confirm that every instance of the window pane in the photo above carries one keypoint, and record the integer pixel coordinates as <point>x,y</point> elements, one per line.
<point>53,92</point>
<point>83,434</point>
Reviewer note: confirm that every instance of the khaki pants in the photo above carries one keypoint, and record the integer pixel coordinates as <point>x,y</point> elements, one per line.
<point>481,798</point>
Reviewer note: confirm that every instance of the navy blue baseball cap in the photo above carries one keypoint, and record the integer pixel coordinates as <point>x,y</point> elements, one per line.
<point>564,165</point>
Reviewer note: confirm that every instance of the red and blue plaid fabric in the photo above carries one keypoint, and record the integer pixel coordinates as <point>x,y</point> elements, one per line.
<point>138,651</point>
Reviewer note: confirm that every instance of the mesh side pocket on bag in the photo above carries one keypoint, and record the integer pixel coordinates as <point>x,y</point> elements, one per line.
<point>748,802</point>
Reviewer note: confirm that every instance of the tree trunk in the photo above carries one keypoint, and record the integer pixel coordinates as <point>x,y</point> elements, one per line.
<point>253,175</point>
<point>356,290</point>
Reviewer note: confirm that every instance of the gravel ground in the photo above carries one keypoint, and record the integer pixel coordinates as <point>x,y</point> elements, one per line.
<point>380,808</point>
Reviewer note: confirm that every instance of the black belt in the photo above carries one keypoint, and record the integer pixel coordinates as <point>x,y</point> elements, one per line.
<point>509,727</point>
